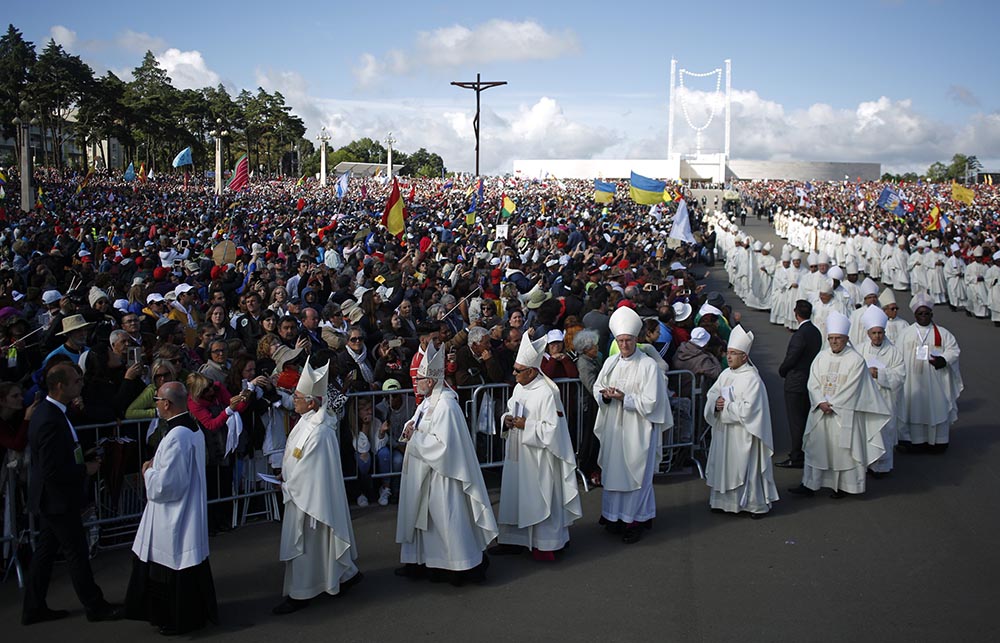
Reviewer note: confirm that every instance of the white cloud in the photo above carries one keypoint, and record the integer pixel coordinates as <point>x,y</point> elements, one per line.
<point>63,36</point>
<point>187,69</point>
<point>139,42</point>
<point>493,41</point>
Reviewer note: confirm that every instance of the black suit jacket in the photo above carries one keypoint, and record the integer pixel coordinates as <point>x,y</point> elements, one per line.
<point>803,347</point>
<point>56,483</point>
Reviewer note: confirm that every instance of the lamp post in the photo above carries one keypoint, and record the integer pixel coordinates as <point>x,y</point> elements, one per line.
<point>218,133</point>
<point>389,140</point>
<point>24,123</point>
<point>322,138</point>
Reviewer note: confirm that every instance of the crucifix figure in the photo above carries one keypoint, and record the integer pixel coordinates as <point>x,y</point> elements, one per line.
<point>479,86</point>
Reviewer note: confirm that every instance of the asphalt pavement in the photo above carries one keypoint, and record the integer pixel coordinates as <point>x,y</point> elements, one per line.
<point>909,560</point>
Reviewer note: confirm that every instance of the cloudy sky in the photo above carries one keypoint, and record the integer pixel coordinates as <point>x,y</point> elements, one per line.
<point>900,82</point>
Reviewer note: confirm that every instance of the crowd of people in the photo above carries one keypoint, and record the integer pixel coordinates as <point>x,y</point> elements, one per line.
<point>285,324</point>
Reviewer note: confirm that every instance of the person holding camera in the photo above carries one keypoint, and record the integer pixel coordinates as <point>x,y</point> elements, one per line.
<point>57,479</point>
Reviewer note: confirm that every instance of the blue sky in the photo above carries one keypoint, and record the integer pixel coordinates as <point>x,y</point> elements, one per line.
<point>901,82</point>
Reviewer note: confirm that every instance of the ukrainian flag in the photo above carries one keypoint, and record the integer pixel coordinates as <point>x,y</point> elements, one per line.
<point>645,190</point>
<point>604,192</point>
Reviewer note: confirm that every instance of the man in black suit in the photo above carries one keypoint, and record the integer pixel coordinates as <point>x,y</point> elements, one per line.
<point>805,344</point>
<point>57,480</point>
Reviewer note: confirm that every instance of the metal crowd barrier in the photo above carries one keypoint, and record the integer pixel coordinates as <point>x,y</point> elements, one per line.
<point>119,496</point>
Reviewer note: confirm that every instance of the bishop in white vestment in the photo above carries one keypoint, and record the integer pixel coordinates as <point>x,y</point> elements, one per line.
<point>739,469</point>
<point>933,381</point>
<point>317,537</point>
<point>445,519</point>
<point>843,433</point>
<point>633,412</point>
<point>539,496</point>
<point>885,363</point>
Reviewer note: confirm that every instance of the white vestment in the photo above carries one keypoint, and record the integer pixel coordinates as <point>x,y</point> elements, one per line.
<point>779,296</point>
<point>317,538</point>
<point>631,435</point>
<point>758,295</point>
<point>173,531</point>
<point>539,496</point>
<point>930,395</point>
<point>445,518</point>
<point>977,295</point>
<point>954,271</point>
<point>891,374</point>
<point>839,446</point>
<point>992,281</point>
<point>739,469</point>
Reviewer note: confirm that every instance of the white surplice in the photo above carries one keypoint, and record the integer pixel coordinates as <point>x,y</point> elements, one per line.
<point>173,531</point>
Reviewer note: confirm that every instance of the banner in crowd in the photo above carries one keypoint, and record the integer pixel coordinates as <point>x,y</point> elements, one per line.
<point>604,192</point>
<point>241,175</point>
<point>962,194</point>
<point>394,216</point>
<point>183,158</point>
<point>645,190</point>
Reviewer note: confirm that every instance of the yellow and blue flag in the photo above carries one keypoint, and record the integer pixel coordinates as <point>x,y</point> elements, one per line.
<point>604,192</point>
<point>645,190</point>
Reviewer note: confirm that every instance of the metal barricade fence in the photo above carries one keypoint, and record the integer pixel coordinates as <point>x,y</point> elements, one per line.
<point>119,496</point>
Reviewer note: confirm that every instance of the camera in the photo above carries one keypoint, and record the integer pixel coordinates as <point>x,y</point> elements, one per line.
<point>134,355</point>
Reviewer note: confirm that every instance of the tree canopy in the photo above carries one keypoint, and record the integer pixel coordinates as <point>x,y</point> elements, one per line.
<point>153,120</point>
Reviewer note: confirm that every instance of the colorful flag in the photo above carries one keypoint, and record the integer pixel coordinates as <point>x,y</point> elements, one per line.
<point>183,158</point>
<point>142,173</point>
<point>85,181</point>
<point>38,202</point>
<point>2,193</point>
<point>342,184</point>
<point>890,201</point>
<point>933,221</point>
<point>129,173</point>
<point>301,181</point>
<point>241,175</point>
<point>961,193</point>
<point>470,214</point>
<point>507,206</point>
<point>645,190</point>
<point>394,216</point>
<point>604,192</point>
<point>3,179</point>
<point>449,184</point>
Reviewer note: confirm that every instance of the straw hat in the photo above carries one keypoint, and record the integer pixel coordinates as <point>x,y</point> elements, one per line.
<point>73,322</point>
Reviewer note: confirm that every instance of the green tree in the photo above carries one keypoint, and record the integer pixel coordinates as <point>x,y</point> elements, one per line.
<point>59,83</point>
<point>937,172</point>
<point>17,58</point>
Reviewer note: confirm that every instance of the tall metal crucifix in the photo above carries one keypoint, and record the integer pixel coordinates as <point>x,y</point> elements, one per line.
<point>479,86</point>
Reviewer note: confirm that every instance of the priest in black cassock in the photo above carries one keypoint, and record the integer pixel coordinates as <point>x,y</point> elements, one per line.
<point>171,584</point>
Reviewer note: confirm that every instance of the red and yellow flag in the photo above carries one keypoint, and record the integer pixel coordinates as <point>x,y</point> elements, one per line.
<point>394,216</point>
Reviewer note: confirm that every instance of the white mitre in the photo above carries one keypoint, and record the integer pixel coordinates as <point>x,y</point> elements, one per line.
<point>432,365</point>
<point>874,317</point>
<point>740,340</point>
<point>312,381</point>
<point>625,321</point>
<point>530,353</point>
<point>837,323</point>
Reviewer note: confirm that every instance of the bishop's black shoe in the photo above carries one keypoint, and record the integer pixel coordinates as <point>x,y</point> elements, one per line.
<point>289,606</point>
<point>801,490</point>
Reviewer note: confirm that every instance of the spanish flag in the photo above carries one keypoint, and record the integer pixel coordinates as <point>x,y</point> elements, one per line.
<point>933,220</point>
<point>645,190</point>
<point>963,194</point>
<point>394,216</point>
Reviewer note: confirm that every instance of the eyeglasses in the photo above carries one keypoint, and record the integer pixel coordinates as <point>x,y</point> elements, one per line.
<point>521,370</point>
<point>160,375</point>
<point>158,399</point>
<point>218,350</point>
<point>354,339</point>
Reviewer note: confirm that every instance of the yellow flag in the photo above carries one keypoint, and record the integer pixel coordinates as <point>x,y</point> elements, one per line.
<point>963,194</point>
<point>603,197</point>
